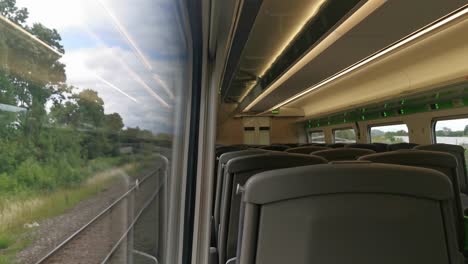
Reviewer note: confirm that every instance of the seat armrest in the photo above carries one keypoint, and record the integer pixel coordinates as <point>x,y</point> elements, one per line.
<point>231,261</point>
<point>213,258</point>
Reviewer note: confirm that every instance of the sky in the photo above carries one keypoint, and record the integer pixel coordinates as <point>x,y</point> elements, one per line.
<point>132,52</point>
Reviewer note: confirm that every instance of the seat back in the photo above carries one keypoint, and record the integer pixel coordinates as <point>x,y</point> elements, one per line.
<point>276,147</point>
<point>305,150</point>
<point>363,146</point>
<point>348,213</point>
<point>237,172</point>
<point>220,150</point>
<point>336,145</point>
<point>442,162</point>
<point>381,147</point>
<point>219,176</point>
<point>340,154</point>
<point>459,153</point>
<point>404,145</point>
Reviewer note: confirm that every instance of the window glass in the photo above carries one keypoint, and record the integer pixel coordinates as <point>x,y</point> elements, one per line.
<point>92,98</point>
<point>454,131</point>
<point>316,137</point>
<point>344,135</point>
<point>389,134</point>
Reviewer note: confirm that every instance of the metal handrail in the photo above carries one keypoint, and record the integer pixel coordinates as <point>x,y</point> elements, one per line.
<point>146,255</point>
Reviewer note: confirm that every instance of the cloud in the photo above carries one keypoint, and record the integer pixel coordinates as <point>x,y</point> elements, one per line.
<point>101,56</point>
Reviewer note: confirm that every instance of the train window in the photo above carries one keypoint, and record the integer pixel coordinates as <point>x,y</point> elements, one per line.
<point>347,135</point>
<point>389,134</point>
<point>316,137</point>
<point>453,131</point>
<point>92,98</point>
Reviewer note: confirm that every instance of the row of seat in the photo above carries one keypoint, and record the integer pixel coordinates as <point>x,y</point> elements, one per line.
<point>377,147</point>
<point>331,155</point>
<point>235,168</point>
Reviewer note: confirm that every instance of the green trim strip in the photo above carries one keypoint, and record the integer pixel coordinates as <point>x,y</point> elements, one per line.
<point>436,101</point>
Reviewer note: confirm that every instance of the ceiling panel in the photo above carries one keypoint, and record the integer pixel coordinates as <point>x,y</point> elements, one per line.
<point>391,22</point>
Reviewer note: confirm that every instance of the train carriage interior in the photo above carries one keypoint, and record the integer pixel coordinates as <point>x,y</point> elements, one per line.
<point>233,131</point>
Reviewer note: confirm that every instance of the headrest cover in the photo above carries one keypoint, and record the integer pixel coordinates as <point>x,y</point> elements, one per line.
<point>283,184</point>
<point>442,147</point>
<point>271,161</point>
<point>413,157</point>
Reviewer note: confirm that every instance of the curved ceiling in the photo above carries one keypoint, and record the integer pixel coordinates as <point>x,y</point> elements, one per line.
<point>391,22</point>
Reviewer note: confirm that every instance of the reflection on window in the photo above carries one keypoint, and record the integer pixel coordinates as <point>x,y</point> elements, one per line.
<point>454,131</point>
<point>89,91</point>
<point>390,134</point>
<point>344,135</point>
<point>316,137</point>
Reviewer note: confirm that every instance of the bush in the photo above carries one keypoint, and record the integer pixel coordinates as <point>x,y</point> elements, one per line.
<point>7,183</point>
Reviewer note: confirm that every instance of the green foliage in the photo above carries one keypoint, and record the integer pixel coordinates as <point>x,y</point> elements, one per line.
<point>345,135</point>
<point>447,132</point>
<point>5,241</point>
<point>9,10</point>
<point>378,136</point>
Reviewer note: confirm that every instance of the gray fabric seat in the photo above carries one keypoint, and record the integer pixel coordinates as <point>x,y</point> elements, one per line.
<point>398,146</point>
<point>237,172</point>
<point>223,159</point>
<point>343,153</point>
<point>443,162</point>
<point>276,147</point>
<point>305,150</point>
<point>348,213</point>
<point>220,150</point>
<point>363,146</point>
<point>381,147</point>
<point>459,153</point>
<point>336,145</point>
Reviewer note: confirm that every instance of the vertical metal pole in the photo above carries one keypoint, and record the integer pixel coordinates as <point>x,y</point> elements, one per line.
<point>163,200</point>
<point>131,216</point>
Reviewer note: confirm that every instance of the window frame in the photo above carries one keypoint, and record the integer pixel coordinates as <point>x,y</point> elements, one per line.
<point>443,118</point>
<point>315,131</point>
<point>344,128</point>
<point>370,126</point>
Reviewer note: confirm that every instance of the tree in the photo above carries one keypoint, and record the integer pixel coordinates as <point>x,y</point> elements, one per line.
<point>113,123</point>
<point>9,10</point>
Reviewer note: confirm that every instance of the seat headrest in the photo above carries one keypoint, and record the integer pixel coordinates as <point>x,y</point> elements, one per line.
<point>442,147</point>
<point>362,146</point>
<point>283,184</point>
<point>229,155</point>
<point>343,153</point>
<point>399,146</point>
<point>272,160</point>
<point>412,157</point>
<point>306,149</point>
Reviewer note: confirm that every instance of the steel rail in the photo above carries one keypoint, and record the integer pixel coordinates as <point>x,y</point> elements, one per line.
<point>130,227</point>
<point>97,217</point>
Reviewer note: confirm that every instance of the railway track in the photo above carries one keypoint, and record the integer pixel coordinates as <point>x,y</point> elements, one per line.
<point>108,237</point>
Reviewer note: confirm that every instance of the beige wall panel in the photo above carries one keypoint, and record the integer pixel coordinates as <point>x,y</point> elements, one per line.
<point>230,132</point>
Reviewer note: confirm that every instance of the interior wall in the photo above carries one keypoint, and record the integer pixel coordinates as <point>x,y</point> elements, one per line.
<point>282,130</point>
<point>230,132</point>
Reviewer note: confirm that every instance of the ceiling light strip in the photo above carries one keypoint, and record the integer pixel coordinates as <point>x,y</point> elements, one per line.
<point>360,14</point>
<point>456,15</point>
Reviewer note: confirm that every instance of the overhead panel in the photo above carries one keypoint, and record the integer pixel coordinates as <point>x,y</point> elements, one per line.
<point>269,50</point>
<point>391,22</point>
